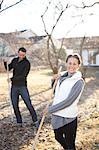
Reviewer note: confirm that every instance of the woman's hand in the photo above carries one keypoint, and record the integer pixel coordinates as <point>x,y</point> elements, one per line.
<point>56,77</point>
<point>45,111</point>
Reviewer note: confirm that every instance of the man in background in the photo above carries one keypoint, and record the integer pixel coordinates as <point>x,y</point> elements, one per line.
<point>21,68</point>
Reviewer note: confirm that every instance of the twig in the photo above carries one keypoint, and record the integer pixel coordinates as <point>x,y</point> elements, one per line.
<point>10,6</point>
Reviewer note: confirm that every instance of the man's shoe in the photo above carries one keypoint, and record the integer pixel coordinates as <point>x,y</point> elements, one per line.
<point>19,125</point>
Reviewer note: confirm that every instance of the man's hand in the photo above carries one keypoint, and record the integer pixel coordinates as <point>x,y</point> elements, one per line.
<point>8,80</point>
<point>5,59</point>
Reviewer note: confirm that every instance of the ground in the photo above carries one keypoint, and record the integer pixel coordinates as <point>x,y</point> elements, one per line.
<point>13,137</point>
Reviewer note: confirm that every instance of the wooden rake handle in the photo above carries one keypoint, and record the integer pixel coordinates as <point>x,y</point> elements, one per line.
<point>44,115</point>
<point>9,90</point>
<point>38,131</point>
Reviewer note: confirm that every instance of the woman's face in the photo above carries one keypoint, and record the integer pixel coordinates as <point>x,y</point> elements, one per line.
<point>72,65</point>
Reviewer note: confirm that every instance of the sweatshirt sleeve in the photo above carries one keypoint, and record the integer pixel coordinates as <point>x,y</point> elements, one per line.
<point>75,91</point>
<point>10,66</point>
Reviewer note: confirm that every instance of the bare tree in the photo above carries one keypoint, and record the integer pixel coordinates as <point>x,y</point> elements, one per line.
<point>53,52</point>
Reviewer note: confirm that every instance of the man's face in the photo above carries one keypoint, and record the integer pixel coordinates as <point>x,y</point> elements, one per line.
<point>21,54</point>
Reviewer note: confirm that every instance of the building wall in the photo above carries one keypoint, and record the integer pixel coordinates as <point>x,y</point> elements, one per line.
<point>88,47</point>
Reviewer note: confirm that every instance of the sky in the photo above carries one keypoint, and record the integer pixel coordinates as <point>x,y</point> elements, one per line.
<point>74,22</point>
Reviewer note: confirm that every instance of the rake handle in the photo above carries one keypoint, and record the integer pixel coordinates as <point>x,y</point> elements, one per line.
<point>44,115</point>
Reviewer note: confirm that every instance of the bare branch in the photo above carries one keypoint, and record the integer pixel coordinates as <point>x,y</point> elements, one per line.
<point>44,25</point>
<point>1,3</point>
<point>67,6</point>
<point>10,6</point>
<point>80,15</point>
<point>46,8</point>
<point>85,6</point>
<point>59,18</point>
<point>42,16</point>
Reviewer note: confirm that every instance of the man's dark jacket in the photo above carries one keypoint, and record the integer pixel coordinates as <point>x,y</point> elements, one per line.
<point>20,71</point>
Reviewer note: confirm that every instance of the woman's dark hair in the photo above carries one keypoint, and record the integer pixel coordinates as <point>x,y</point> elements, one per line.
<point>74,55</point>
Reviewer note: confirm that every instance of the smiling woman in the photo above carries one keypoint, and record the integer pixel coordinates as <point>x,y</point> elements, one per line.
<point>64,109</point>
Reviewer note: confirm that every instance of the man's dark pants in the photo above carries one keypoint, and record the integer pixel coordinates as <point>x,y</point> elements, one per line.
<point>23,91</point>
